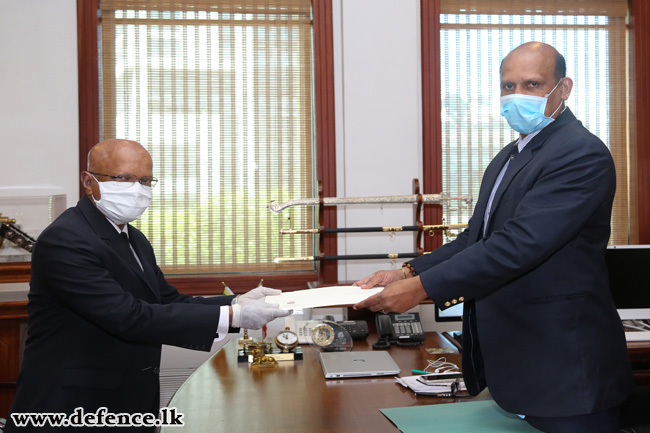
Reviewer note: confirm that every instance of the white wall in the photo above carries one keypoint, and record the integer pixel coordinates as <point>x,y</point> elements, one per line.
<point>378,84</point>
<point>39,132</point>
<point>378,122</point>
<point>38,101</point>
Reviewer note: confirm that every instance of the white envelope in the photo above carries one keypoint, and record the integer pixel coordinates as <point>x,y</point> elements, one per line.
<point>322,297</point>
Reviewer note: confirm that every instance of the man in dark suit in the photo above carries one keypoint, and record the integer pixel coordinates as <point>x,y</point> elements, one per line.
<point>540,328</point>
<point>100,308</point>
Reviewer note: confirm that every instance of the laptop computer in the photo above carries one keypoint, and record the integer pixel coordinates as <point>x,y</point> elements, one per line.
<point>357,364</point>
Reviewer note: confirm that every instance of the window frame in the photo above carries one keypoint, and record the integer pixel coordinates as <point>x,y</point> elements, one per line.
<point>432,122</point>
<point>89,115</point>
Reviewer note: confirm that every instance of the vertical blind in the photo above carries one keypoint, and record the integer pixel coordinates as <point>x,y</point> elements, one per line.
<point>220,94</point>
<point>476,35</point>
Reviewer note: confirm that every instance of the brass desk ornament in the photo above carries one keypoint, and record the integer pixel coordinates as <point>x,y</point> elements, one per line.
<point>245,339</point>
<point>260,359</point>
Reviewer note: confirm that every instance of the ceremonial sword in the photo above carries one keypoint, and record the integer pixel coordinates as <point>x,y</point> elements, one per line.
<point>442,198</point>
<point>426,228</point>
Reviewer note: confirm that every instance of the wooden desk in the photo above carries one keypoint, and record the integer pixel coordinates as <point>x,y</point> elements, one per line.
<point>226,396</point>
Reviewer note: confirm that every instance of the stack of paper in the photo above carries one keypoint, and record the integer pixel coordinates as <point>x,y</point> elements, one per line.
<point>441,388</point>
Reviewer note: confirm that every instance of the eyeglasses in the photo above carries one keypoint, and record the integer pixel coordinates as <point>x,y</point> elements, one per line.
<point>130,179</point>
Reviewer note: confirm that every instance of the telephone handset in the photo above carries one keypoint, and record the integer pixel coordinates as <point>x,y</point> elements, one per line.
<point>403,329</point>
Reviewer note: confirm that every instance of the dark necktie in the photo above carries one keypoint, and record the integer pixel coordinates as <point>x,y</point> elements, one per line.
<point>515,151</point>
<point>135,256</point>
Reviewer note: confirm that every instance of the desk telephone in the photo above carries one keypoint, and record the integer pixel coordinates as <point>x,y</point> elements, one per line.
<point>403,329</point>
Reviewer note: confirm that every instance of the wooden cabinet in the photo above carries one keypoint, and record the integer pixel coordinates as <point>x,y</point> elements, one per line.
<point>13,323</point>
<point>13,320</point>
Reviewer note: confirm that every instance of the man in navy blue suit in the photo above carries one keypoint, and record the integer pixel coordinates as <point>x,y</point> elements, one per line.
<point>540,329</point>
<point>100,307</point>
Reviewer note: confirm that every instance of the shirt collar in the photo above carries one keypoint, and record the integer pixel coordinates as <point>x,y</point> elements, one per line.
<point>522,142</point>
<point>124,230</point>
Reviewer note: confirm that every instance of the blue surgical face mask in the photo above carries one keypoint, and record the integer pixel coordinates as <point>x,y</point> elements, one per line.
<point>525,113</point>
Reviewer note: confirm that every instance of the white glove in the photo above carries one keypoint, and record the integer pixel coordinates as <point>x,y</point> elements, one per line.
<point>254,314</point>
<point>255,294</point>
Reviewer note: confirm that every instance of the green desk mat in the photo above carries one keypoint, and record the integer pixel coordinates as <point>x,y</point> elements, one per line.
<point>467,417</point>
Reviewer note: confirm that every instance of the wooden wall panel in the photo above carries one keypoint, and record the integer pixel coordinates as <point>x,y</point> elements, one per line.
<point>88,67</point>
<point>15,272</point>
<point>431,121</point>
<point>325,129</point>
<point>641,29</point>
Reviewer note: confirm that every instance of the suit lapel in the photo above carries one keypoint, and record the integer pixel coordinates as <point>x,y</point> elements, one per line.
<point>515,166</point>
<point>114,241</point>
<point>518,163</point>
<point>489,178</point>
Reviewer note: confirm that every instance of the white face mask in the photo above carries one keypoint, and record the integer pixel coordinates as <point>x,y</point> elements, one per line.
<point>122,202</point>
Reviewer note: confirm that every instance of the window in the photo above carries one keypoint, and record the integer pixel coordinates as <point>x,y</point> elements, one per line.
<point>476,36</point>
<point>220,93</point>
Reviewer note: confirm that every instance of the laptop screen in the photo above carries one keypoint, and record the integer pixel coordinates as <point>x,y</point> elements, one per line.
<point>629,282</point>
<point>629,279</point>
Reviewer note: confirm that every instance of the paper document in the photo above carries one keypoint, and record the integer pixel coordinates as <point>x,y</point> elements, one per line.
<point>322,297</point>
<point>443,387</point>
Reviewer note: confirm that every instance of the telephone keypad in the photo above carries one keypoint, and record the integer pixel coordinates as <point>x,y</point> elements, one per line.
<point>407,328</point>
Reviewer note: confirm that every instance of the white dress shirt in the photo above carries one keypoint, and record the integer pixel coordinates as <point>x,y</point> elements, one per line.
<point>521,143</point>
